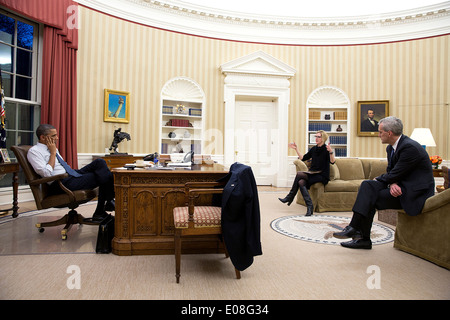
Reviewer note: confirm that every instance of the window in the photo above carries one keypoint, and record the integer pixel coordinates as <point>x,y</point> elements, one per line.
<point>19,74</point>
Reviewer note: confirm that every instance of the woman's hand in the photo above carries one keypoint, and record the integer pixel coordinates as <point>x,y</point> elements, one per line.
<point>331,152</point>
<point>293,145</point>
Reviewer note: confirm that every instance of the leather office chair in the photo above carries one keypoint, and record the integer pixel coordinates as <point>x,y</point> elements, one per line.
<point>197,220</point>
<point>44,200</point>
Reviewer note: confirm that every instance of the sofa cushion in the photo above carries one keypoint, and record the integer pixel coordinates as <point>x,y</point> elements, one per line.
<point>334,172</point>
<point>204,216</point>
<point>377,168</point>
<point>343,185</point>
<point>366,166</point>
<point>350,169</point>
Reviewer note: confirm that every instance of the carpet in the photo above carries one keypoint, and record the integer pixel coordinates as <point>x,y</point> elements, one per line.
<point>320,228</point>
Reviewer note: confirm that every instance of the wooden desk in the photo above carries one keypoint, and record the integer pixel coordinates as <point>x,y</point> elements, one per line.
<point>12,167</point>
<point>118,161</point>
<point>144,210</point>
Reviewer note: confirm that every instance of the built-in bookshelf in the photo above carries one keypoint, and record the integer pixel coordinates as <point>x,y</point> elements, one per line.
<point>327,110</point>
<point>181,117</point>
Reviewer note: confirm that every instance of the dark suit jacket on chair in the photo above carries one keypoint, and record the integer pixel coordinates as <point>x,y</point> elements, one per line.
<point>410,167</point>
<point>241,216</point>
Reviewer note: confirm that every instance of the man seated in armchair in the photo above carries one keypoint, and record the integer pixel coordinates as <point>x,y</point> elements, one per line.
<point>46,161</point>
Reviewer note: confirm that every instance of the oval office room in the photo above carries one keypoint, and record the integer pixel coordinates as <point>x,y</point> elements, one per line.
<point>146,145</point>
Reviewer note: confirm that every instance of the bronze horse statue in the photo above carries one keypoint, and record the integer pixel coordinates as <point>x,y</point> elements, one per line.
<point>119,136</point>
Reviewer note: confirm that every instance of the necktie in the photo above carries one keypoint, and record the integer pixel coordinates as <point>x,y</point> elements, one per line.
<point>392,153</point>
<point>69,170</point>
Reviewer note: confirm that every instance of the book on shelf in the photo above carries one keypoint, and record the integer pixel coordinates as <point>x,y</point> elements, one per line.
<point>340,115</point>
<point>167,110</point>
<point>337,139</point>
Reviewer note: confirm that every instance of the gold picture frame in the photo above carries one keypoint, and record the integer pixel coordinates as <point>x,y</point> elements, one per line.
<point>116,106</point>
<point>378,110</point>
<point>5,155</point>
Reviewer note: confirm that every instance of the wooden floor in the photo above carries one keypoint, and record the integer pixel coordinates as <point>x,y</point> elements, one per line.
<point>23,207</point>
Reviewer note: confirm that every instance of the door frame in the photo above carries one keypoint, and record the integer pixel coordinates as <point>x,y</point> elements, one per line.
<point>271,116</point>
<point>281,98</point>
<point>258,75</point>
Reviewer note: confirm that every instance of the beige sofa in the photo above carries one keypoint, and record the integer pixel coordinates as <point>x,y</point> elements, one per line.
<point>346,176</point>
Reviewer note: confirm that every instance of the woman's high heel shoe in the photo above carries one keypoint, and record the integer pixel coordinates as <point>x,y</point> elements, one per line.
<point>289,198</point>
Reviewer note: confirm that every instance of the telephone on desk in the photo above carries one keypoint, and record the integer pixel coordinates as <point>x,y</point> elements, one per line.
<point>187,161</point>
<point>151,157</point>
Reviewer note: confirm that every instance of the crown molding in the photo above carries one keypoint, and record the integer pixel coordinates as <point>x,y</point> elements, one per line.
<point>428,21</point>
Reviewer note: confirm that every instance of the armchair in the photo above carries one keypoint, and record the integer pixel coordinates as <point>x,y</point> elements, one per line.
<point>44,200</point>
<point>197,220</point>
<point>427,234</point>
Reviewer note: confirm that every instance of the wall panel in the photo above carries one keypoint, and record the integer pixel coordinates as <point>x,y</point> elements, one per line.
<point>120,55</point>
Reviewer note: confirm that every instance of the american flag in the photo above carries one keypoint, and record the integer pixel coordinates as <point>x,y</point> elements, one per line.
<point>2,115</point>
<point>2,107</point>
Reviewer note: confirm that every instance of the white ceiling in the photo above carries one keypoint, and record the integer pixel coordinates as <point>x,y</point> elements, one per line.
<point>312,8</point>
<point>305,22</point>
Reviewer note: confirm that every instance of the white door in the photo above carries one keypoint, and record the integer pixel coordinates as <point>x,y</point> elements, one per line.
<point>255,135</point>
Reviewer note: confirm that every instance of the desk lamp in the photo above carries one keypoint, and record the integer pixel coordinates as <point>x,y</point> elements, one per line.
<point>424,137</point>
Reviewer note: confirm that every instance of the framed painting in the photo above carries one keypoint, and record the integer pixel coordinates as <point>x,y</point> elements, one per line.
<point>5,155</point>
<point>369,114</point>
<point>116,106</point>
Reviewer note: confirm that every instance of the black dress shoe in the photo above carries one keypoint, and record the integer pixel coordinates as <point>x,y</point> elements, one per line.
<point>358,244</point>
<point>99,216</point>
<point>348,232</point>
<point>110,205</point>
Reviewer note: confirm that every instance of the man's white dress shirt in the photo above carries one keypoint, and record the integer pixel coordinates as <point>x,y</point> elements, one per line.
<point>38,156</point>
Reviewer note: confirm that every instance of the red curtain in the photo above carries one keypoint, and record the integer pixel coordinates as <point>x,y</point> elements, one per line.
<point>59,65</point>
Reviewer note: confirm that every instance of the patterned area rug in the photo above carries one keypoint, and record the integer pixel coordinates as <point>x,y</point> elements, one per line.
<point>320,228</point>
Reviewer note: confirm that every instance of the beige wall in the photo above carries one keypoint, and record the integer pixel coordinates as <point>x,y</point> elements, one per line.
<point>120,55</point>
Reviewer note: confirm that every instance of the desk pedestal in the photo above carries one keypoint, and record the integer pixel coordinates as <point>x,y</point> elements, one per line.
<point>144,210</point>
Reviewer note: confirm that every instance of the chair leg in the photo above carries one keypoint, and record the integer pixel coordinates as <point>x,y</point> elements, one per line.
<point>177,240</point>
<point>238,273</point>
<point>71,218</point>
<point>227,255</point>
<point>60,221</point>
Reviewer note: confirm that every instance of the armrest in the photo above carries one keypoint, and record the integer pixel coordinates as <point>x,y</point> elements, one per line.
<point>194,189</point>
<point>300,165</point>
<point>58,178</point>
<point>48,179</point>
<point>437,201</point>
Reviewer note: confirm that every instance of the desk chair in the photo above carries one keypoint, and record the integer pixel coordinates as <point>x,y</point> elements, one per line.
<point>197,220</point>
<point>40,189</point>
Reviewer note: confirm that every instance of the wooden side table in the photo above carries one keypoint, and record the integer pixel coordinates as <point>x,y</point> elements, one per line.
<point>437,173</point>
<point>12,167</point>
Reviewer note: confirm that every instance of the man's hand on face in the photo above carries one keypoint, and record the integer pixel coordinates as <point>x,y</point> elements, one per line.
<point>51,144</point>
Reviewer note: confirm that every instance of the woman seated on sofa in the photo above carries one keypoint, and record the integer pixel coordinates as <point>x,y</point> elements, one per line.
<point>321,156</point>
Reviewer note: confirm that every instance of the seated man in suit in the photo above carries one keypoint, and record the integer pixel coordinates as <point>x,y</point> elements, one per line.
<point>46,161</point>
<point>406,185</point>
